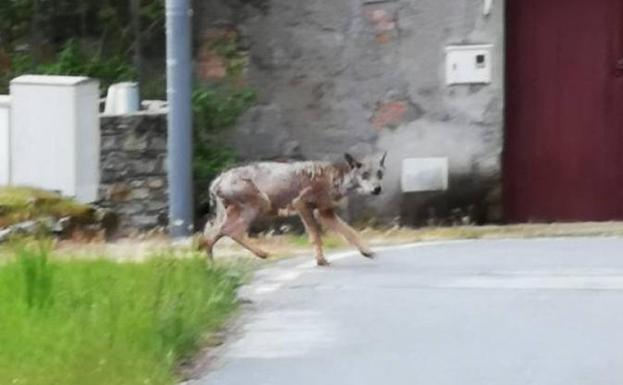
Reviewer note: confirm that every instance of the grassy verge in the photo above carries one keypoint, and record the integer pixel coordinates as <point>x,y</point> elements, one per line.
<point>288,245</point>
<point>99,322</point>
<point>19,204</point>
<point>520,231</point>
<point>282,246</point>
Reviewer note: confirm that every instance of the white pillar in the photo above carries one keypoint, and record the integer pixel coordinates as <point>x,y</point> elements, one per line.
<point>5,136</point>
<point>55,138</point>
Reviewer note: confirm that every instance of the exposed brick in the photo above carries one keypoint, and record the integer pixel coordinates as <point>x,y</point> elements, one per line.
<point>212,67</point>
<point>384,24</point>
<point>390,115</point>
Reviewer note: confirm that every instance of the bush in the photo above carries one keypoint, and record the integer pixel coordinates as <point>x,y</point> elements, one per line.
<point>219,108</point>
<point>214,110</point>
<point>71,60</point>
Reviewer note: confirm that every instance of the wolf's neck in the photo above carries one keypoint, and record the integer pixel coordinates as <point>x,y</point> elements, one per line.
<point>341,179</point>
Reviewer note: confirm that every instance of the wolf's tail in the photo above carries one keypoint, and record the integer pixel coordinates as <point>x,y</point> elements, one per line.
<point>217,208</point>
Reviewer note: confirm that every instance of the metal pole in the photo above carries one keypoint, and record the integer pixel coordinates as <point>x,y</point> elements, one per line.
<point>137,41</point>
<point>179,83</point>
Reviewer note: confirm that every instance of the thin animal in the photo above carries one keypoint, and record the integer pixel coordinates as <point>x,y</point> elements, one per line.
<point>310,189</point>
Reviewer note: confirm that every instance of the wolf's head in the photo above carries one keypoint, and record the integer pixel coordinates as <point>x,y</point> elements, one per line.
<point>365,176</point>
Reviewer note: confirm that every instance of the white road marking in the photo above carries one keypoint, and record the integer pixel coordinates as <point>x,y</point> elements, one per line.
<point>278,277</point>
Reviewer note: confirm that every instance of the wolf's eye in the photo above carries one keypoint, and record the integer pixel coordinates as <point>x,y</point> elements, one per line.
<point>379,174</point>
<point>365,175</point>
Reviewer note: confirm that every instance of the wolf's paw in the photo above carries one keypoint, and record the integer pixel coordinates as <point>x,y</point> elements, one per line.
<point>263,255</point>
<point>322,262</point>
<point>368,253</point>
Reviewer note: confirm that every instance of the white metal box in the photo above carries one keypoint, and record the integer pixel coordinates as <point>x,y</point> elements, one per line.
<point>55,138</point>
<point>424,174</point>
<point>5,137</point>
<point>468,64</point>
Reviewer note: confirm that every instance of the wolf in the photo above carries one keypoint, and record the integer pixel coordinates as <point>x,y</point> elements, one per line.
<point>311,189</point>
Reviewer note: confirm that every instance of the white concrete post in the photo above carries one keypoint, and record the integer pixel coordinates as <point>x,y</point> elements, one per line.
<point>5,137</point>
<point>55,138</point>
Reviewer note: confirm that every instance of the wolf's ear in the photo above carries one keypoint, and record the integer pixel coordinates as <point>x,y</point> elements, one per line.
<point>383,159</point>
<point>351,161</point>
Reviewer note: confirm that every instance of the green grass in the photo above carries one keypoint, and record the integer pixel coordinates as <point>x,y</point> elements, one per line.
<point>330,241</point>
<point>19,204</point>
<point>105,323</point>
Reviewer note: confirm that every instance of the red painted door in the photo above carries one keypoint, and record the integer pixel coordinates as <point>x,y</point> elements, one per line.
<point>563,154</point>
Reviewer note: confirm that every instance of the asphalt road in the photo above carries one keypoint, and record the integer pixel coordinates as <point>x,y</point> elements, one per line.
<point>546,312</point>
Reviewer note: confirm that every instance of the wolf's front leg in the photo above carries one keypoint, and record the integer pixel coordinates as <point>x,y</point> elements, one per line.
<point>330,219</point>
<point>313,230</point>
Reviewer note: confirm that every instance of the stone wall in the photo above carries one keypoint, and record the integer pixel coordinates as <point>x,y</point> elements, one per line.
<point>364,76</point>
<point>134,183</point>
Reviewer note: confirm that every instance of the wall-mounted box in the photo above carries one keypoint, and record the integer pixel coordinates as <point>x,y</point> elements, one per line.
<point>55,139</point>
<point>5,137</point>
<point>424,174</point>
<point>469,64</point>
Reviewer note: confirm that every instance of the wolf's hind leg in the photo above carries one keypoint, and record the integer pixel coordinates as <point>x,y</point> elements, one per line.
<point>239,218</point>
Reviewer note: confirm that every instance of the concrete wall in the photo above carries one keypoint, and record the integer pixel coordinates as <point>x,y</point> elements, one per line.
<point>363,76</point>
